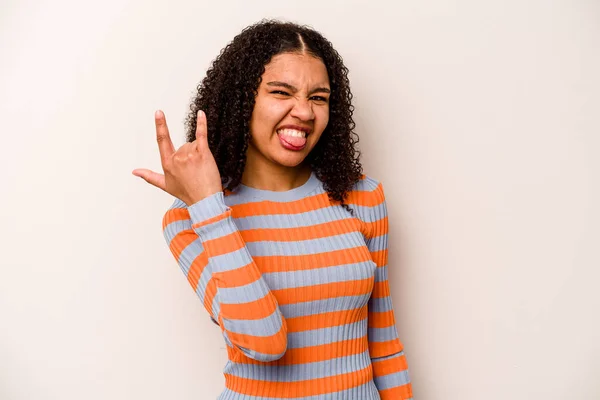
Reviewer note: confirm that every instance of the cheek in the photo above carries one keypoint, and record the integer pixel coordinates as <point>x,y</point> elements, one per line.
<point>267,115</point>
<point>323,117</point>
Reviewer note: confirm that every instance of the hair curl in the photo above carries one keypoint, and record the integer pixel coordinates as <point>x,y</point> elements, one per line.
<point>227,96</point>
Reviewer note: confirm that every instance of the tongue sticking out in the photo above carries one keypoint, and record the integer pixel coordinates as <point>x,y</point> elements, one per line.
<point>293,140</point>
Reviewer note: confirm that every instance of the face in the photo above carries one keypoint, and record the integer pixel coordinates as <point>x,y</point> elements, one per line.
<point>291,110</point>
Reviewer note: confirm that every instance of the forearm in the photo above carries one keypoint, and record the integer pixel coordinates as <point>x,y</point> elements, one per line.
<point>391,377</point>
<point>213,255</point>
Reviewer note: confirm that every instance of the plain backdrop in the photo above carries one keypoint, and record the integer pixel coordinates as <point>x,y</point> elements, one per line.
<point>480,118</point>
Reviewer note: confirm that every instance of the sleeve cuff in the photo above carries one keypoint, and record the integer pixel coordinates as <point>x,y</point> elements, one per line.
<point>382,349</point>
<point>207,208</point>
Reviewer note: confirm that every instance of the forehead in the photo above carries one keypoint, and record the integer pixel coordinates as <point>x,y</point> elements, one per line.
<point>296,69</point>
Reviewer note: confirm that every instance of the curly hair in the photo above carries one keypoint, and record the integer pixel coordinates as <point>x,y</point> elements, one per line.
<point>227,96</point>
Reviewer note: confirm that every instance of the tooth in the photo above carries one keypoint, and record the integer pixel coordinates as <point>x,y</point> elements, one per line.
<point>293,132</point>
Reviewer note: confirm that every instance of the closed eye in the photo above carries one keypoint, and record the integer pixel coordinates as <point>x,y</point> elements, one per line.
<point>320,98</point>
<point>280,92</point>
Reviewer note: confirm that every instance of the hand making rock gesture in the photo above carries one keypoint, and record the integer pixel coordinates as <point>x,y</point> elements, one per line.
<point>190,173</point>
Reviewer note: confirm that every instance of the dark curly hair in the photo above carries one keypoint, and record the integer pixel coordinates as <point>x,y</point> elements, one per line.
<point>227,96</point>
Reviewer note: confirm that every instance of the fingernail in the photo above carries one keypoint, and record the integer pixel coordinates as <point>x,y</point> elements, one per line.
<point>157,114</point>
<point>199,113</point>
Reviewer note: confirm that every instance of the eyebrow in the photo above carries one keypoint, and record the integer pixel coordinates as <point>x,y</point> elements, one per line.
<point>294,89</point>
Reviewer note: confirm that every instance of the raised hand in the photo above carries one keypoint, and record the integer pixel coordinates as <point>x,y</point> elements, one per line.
<point>190,173</point>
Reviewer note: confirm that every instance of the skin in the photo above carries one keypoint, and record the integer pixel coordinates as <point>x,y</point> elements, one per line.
<point>293,91</point>
<point>190,173</point>
<point>269,165</point>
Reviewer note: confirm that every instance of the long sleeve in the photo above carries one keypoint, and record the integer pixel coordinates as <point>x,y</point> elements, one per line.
<point>212,254</point>
<point>390,369</point>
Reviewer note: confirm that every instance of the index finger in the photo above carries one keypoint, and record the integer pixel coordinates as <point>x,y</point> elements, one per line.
<point>201,128</point>
<point>165,145</point>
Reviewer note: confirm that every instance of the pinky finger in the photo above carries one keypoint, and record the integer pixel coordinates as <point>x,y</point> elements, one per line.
<point>153,178</point>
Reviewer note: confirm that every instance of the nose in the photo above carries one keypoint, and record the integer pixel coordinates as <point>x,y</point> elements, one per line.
<point>303,110</point>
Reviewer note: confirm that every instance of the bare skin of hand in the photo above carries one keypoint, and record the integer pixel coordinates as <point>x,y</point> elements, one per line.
<point>190,173</point>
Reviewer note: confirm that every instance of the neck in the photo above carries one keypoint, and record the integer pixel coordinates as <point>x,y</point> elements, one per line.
<point>276,178</point>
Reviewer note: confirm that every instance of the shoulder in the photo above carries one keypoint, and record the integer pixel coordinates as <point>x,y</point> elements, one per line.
<point>367,199</point>
<point>177,203</point>
<point>176,212</point>
<point>368,191</point>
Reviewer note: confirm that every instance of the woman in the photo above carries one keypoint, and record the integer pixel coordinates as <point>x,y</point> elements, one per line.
<point>275,226</point>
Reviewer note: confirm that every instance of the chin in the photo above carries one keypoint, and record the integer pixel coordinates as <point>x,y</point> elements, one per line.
<point>290,160</point>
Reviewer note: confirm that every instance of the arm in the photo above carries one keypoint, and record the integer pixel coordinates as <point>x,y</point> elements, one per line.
<point>212,254</point>
<point>390,370</point>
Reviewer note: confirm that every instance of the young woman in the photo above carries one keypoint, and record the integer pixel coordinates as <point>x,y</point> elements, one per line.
<point>276,228</point>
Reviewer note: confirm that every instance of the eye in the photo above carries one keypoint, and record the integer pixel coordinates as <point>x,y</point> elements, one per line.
<point>281,92</point>
<point>320,98</point>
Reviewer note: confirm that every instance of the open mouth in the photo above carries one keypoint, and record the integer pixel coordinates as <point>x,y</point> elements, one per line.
<point>292,138</point>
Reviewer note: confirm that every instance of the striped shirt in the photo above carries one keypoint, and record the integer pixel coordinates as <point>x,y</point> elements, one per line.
<point>299,288</point>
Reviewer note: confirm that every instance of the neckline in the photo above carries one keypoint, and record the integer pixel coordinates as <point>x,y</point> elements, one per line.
<point>296,193</point>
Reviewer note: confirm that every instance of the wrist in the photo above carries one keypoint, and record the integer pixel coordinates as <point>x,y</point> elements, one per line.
<point>207,208</point>
<point>196,197</point>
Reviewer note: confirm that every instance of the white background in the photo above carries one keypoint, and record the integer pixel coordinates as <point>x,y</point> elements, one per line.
<point>479,117</point>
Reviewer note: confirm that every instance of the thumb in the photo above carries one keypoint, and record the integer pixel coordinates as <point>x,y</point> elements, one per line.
<point>153,178</point>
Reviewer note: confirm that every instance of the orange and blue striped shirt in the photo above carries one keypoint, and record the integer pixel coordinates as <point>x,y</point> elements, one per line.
<point>299,287</point>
